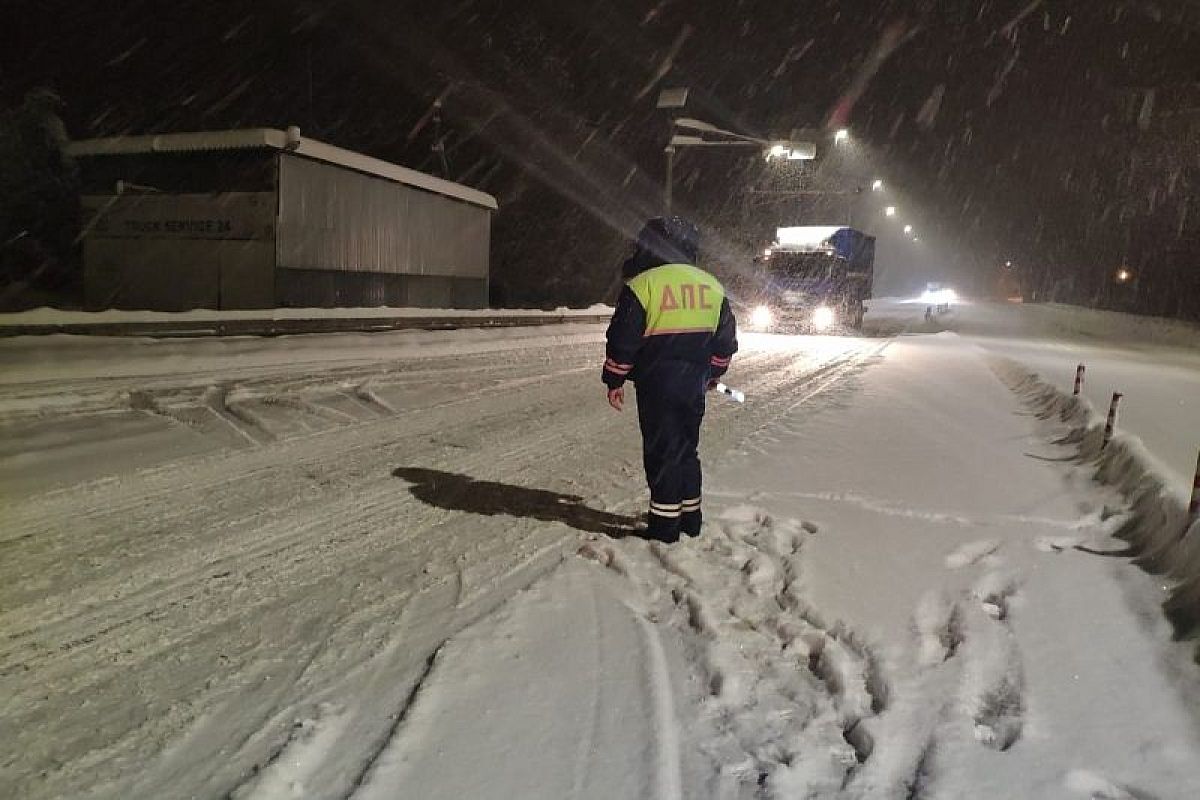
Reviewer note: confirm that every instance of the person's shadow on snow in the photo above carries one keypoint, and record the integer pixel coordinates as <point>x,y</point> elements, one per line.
<point>463,493</point>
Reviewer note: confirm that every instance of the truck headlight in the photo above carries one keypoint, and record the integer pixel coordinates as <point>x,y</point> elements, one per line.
<point>823,318</point>
<point>761,317</point>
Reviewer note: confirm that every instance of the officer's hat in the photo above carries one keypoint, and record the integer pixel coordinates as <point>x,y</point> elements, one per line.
<point>675,240</point>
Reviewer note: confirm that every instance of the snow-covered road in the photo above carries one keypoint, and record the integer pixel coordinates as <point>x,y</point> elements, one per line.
<point>381,566</point>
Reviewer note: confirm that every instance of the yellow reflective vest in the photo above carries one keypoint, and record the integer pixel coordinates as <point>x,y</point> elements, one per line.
<point>678,298</point>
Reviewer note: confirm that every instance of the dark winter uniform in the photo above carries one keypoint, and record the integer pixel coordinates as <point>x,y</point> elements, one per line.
<point>672,333</point>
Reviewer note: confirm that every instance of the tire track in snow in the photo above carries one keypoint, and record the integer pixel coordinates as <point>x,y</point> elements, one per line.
<point>669,785</point>
<point>400,717</point>
<point>583,750</point>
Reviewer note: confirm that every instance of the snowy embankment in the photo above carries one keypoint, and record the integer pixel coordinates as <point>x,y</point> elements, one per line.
<point>1160,534</point>
<point>46,316</point>
<point>279,321</point>
<point>1059,320</point>
<point>1154,362</point>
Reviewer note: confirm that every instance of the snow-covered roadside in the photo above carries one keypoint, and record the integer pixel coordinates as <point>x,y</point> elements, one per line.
<point>59,362</point>
<point>1155,363</point>
<point>1160,534</point>
<point>885,603</point>
<point>53,316</point>
<point>1011,663</point>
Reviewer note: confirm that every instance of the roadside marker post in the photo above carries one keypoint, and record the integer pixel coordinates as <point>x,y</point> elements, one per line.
<point>1111,424</point>
<point>1194,505</point>
<point>1079,379</point>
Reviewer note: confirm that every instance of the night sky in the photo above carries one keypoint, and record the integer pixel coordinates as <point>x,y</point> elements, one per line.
<point>1061,135</point>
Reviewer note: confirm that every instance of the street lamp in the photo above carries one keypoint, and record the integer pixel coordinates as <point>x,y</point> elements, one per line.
<point>841,136</point>
<point>877,186</point>
<point>790,150</point>
<point>890,211</point>
<point>673,98</point>
<point>1123,275</point>
<point>908,228</point>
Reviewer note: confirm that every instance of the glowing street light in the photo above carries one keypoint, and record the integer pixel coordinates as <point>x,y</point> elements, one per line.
<point>908,228</point>
<point>1123,275</point>
<point>841,136</point>
<point>791,151</point>
<point>890,211</point>
<point>877,186</point>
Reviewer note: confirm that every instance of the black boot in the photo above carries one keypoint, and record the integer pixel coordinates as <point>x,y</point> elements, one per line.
<point>690,522</point>
<point>663,529</point>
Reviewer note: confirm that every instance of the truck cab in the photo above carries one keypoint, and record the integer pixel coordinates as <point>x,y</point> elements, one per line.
<point>814,279</point>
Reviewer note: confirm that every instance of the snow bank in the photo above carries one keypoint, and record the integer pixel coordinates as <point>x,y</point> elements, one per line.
<point>55,316</point>
<point>1158,530</point>
<point>1091,323</point>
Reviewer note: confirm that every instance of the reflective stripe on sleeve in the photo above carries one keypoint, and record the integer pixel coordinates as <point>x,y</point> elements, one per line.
<point>616,367</point>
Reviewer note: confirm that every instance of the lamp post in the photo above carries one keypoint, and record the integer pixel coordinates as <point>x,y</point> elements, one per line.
<point>669,179</point>
<point>674,98</point>
<point>789,150</point>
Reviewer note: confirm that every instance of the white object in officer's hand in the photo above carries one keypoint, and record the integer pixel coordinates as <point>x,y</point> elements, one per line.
<point>734,394</point>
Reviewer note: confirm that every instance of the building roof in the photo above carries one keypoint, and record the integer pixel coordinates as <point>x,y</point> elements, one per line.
<point>273,139</point>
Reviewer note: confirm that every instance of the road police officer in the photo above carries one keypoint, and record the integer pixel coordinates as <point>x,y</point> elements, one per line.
<point>673,335</point>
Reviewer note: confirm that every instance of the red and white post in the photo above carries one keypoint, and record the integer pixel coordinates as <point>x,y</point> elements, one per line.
<point>1111,424</point>
<point>1194,506</point>
<point>1079,379</point>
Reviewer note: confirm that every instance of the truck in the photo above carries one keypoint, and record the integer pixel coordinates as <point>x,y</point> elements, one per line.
<point>814,278</point>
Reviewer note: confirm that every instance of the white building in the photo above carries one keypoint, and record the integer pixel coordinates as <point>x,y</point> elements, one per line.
<point>263,218</point>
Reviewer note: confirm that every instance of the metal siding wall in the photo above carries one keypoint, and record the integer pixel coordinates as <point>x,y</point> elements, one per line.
<point>177,275</point>
<point>339,220</point>
<point>315,288</point>
<point>173,252</point>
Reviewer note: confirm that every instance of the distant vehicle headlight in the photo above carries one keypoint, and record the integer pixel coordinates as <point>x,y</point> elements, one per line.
<point>761,317</point>
<point>939,296</point>
<point>823,318</point>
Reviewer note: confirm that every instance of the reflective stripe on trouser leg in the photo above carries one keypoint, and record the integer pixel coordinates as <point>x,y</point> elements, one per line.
<point>668,510</point>
<point>691,519</point>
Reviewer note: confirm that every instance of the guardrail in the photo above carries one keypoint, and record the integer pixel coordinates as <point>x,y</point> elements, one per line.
<point>285,327</point>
